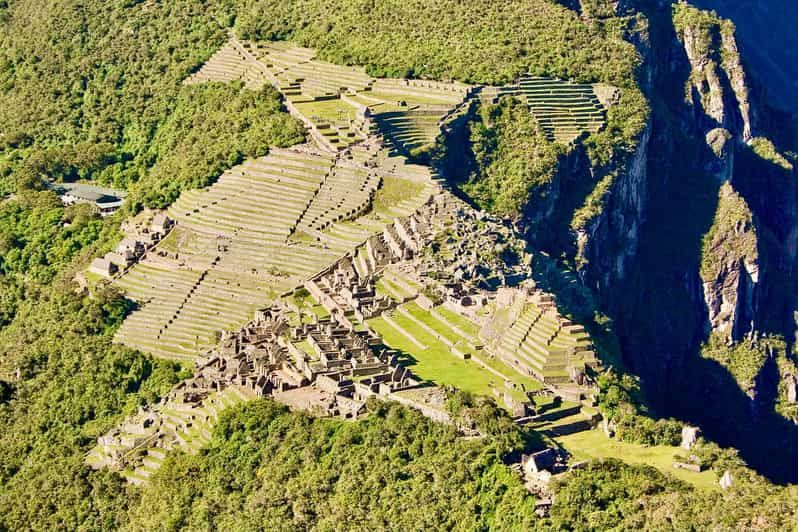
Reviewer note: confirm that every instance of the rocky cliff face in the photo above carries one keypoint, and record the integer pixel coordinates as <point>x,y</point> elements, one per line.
<point>730,268</point>
<point>717,87</point>
<point>718,93</point>
<point>608,243</point>
<point>717,220</point>
<point>768,41</point>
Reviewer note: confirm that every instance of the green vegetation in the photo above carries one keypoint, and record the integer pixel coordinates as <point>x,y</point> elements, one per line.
<point>732,236</point>
<point>471,42</point>
<point>335,110</point>
<point>788,376</point>
<point>67,384</point>
<point>214,126</point>
<point>515,162</point>
<point>444,328</point>
<point>744,360</point>
<point>436,363</point>
<point>594,204</point>
<point>101,73</point>
<point>394,190</point>
<point>39,237</point>
<point>594,444</point>
<point>767,150</point>
<point>396,469</point>
<point>92,91</point>
<point>609,494</point>
<point>621,403</point>
<point>704,25</point>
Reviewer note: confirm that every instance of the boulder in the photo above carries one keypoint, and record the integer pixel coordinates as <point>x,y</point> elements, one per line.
<point>690,436</point>
<point>726,480</point>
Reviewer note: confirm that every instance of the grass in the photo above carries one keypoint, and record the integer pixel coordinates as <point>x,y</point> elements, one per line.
<point>428,319</point>
<point>395,190</point>
<point>459,321</point>
<point>436,364</point>
<point>332,110</point>
<point>411,99</point>
<point>386,287</point>
<point>93,279</point>
<point>305,346</point>
<point>592,444</point>
<point>511,373</point>
<point>320,312</point>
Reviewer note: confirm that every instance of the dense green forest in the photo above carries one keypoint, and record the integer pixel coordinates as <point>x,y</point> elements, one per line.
<point>92,90</point>
<point>514,160</point>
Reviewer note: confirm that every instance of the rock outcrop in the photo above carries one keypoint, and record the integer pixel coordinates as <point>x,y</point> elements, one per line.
<point>717,85</point>
<point>730,268</point>
<point>608,243</point>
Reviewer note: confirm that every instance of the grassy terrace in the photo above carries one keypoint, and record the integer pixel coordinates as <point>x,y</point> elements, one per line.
<point>305,347</point>
<point>393,191</point>
<point>409,131</point>
<point>444,328</point>
<point>563,109</point>
<point>461,322</point>
<point>592,444</point>
<point>386,287</point>
<point>414,98</point>
<point>192,437</point>
<point>436,364</point>
<point>332,110</point>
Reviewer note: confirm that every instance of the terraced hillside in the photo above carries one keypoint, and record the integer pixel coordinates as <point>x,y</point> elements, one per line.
<point>181,427</point>
<point>564,109</point>
<point>332,99</point>
<point>443,347</point>
<point>272,222</point>
<point>230,63</point>
<point>263,226</point>
<point>408,113</point>
<point>543,344</point>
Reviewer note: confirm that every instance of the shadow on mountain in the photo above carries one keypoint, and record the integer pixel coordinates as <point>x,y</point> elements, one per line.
<point>660,311</point>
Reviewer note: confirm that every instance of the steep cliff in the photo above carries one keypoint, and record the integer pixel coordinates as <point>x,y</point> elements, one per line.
<point>768,41</point>
<point>730,268</point>
<point>717,242</point>
<point>607,242</point>
<point>717,86</point>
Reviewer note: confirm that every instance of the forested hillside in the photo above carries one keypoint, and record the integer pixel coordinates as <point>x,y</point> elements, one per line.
<point>93,91</point>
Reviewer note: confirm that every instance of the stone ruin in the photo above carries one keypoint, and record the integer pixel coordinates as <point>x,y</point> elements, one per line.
<point>331,365</point>
<point>138,240</point>
<point>345,294</point>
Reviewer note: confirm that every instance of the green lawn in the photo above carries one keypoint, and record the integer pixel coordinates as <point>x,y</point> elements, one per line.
<point>321,312</point>
<point>593,444</point>
<point>467,326</point>
<point>333,110</point>
<point>459,321</point>
<point>410,282</point>
<point>436,363</point>
<point>411,99</point>
<point>305,346</point>
<point>179,240</point>
<point>428,319</point>
<point>394,291</point>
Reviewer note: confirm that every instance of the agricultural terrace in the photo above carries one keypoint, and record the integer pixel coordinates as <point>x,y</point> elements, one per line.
<point>593,444</point>
<point>409,114</point>
<point>264,226</point>
<point>272,222</point>
<point>192,427</point>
